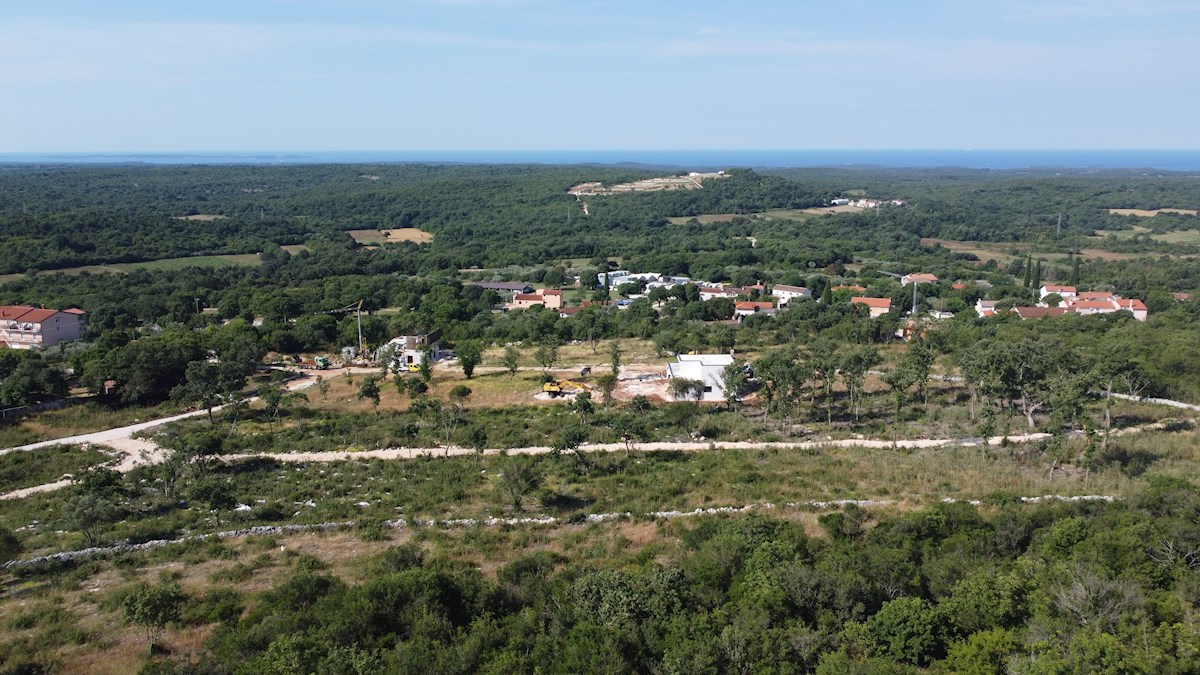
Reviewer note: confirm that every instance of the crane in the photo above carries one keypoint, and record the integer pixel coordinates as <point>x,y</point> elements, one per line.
<point>357,309</point>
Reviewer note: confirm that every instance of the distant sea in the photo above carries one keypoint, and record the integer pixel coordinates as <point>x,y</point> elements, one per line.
<point>1161,160</point>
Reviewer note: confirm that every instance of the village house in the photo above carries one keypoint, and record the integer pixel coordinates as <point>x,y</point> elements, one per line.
<point>877,307</point>
<point>710,292</point>
<point>786,294</point>
<point>918,278</point>
<point>545,297</point>
<point>706,368</point>
<point>24,327</point>
<point>1063,291</point>
<point>748,307</point>
<point>405,352</point>
<point>1107,304</point>
<point>986,308</point>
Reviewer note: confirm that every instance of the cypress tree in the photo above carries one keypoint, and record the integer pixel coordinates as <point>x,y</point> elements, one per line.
<point>1037,275</point>
<point>1075,272</point>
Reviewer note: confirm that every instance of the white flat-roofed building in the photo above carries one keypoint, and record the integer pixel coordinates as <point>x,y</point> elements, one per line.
<point>707,368</point>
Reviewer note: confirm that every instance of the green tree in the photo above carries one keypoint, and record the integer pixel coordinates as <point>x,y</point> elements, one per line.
<point>854,367</point>
<point>451,414</point>
<point>630,428</point>
<point>607,384</point>
<point>614,358</point>
<point>10,545</point>
<point>470,354</point>
<point>369,390</point>
<point>583,406</point>
<point>216,493</point>
<point>569,441</point>
<point>323,387</point>
<point>88,514</point>
<point>908,629</point>
<point>735,381</point>
<point>276,398</point>
<point>547,354</point>
<point>520,477</point>
<point>512,360</point>
<point>153,607</point>
<point>899,379</point>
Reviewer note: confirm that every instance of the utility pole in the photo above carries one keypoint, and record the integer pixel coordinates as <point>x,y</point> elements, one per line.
<point>914,309</point>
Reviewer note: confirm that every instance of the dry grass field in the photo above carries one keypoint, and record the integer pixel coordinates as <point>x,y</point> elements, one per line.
<point>1144,213</point>
<point>200,217</point>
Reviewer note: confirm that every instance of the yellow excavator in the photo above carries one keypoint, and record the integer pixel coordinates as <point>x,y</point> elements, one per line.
<point>558,387</point>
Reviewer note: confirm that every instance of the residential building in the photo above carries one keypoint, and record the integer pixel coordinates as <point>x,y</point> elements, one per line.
<point>24,327</point>
<point>786,294</point>
<point>1063,291</point>
<point>746,308</point>
<point>707,368</point>
<point>710,292</point>
<point>545,297</point>
<point>877,307</point>
<point>986,308</point>
<point>918,278</point>
<point>405,351</point>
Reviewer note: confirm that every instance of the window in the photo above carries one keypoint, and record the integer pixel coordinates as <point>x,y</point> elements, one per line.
<point>708,390</point>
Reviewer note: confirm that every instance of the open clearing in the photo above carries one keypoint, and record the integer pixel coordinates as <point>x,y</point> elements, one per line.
<point>1144,213</point>
<point>1191,237</point>
<point>1001,252</point>
<point>689,182</point>
<point>200,216</point>
<point>228,260</point>
<point>375,237</point>
<point>704,220</point>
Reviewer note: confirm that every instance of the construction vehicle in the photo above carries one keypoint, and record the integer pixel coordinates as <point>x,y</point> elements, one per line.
<point>313,363</point>
<point>559,387</point>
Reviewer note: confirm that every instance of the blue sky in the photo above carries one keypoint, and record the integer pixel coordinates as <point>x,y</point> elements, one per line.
<point>597,74</point>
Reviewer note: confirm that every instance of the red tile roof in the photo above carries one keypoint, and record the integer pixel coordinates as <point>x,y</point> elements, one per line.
<point>753,306</point>
<point>876,303</point>
<point>1039,312</point>
<point>1054,288</point>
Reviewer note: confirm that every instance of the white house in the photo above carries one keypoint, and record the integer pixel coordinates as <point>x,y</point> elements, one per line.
<point>1064,292</point>
<point>405,351</point>
<point>707,368</point>
<point>787,293</point>
<point>709,292</point>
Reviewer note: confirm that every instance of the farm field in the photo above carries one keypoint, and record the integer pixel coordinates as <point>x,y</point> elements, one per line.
<point>375,237</point>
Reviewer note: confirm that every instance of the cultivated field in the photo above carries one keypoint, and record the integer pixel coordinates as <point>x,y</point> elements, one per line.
<point>376,237</point>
